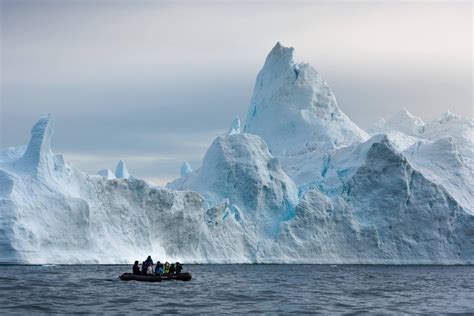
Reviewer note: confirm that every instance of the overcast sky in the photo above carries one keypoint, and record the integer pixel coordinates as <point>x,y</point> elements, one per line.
<point>154,82</point>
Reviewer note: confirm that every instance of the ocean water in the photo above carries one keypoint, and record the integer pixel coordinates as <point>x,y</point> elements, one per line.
<point>240,289</point>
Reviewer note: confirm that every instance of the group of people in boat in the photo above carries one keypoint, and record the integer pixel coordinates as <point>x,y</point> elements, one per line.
<point>148,268</point>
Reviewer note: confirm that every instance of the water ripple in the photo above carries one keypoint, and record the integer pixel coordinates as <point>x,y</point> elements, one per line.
<point>240,289</point>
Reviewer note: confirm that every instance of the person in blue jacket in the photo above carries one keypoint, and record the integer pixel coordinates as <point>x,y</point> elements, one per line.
<point>159,268</point>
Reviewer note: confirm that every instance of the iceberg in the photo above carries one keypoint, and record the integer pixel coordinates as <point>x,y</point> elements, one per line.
<point>300,183</point>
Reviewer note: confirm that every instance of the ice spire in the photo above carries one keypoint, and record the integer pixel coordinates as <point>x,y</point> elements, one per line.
<point>38,154</point>
<point>235,127</point>
<point>121,172</point>
<point>279,56</point>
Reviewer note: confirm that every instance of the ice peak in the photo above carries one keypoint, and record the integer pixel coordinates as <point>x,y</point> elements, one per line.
<point>41,133</point>
<point>235,127</point>
<point>279,63</point>
<point>293,108</point>
<point>122,172</point>
<point>281,53</point>
<point>39,146</point>
<point>185,169</point>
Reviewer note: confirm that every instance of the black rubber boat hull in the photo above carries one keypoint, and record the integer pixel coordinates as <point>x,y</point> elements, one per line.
<point>156,278</point>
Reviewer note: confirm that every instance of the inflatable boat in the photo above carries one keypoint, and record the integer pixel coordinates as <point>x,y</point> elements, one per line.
<point>156,278</point>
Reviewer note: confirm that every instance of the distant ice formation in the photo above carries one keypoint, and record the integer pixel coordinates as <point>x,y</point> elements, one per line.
<point>106,173</point>
<point>185,169</point>
<point>122,171</point>
<point>235,127</point>
<point>403,121</point>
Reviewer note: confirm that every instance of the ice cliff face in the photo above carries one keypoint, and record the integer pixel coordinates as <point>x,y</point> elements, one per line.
<point>375,208</point>
<point>443,150</point>
<point>53,212</point>
<point>300,184</point>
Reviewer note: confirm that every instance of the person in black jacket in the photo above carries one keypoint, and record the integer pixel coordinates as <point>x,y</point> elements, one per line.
<point>179,268</point>
<point>136,268</point>
<point>149,261</point>
<point>144,267</point>
<point>172,269</point>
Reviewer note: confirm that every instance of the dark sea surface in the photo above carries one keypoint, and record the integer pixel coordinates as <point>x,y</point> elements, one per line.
<point>240,289</point>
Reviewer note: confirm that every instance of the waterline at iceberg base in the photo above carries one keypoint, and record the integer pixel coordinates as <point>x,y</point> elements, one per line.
<point>299,183</point>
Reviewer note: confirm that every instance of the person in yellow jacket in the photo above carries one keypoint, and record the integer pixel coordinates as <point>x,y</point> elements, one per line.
<point>167,268</point>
